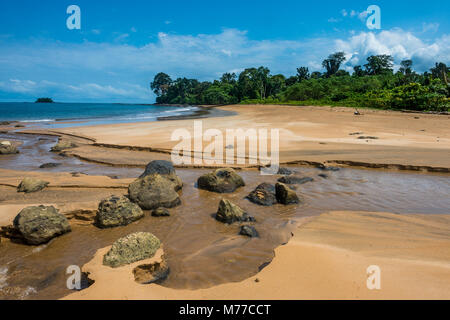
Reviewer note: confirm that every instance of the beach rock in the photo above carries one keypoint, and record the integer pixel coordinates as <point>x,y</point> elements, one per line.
<point>285,195</point>
<point>285,171</point>
<point>295,180</point>
<point>117,211</point>
<point>249,231</point>
<point>31,185</point>
<point>131,248</point>
<point>161,212</point>
<point>49,165</point>
<point>325,168</point>
<point>154,191</point>
<point>224,180</point>
<point>228,212</point>
<point>41,224</point>
<point>323,175</point>
<point>6,147</point>
<point>150,273</point>
<point>264,195</point>
<point>164,168</point>
<point>63,145</point>
<point>19,126</point>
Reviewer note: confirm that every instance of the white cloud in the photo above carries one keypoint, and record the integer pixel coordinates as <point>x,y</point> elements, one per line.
<point>430,27</point>
<point>106,71</point>
<point>397,43</point>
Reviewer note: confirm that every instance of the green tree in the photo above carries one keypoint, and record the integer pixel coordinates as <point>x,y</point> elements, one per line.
<point>333,62</point>
<point>406,67</point>
<point>302,74</point>
<point>161,83</point>
<point>379,64</point>
<point>358,71</point>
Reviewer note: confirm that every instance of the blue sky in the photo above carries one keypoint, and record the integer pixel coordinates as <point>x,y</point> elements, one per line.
<point>123,44</point>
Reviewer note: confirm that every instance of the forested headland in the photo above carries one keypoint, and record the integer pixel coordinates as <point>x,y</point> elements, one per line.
<point>373,85</point>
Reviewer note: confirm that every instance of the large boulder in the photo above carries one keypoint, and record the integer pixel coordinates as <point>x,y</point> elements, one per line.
<point>285,195</point>
<point>31,185</point>
<point>228,212</point>
<point>164,168</point>
<point>63,145</point>
<point>117,211</point>
<point>153,191</point>
<point>294,180</point>
<point>41,224</point>
<point>6,147</point>
<point>131,248</point>
<point>264,195</point>
<point>224,180</point>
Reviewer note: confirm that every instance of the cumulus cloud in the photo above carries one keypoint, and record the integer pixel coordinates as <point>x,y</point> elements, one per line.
<point>397,43</point>
<point>118,71</point>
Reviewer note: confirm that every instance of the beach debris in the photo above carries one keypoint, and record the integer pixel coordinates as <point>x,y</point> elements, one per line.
<point>285,195</point>
<point>249,231</point>
<point>164,168</point>
<point>63,145</point>
<point>6,147</point>
<point>49,165</point>
<point>40,224</point>
<point>161,212</point>
<point>131,248</point>
<point>31,185</point>
<point>117,211</point>
<point>285,171</point>
<point>355,133</point>
<point>154,191</point>
<point>228,212</point>
<point>356,113</point>
<point>264,195</point>
<point>230,146</point>
<point>295,180</point>
<point>151,273</point>
<point>367,138</point>
<point>224,180</point>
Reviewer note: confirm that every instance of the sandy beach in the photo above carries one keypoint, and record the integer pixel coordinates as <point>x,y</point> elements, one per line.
<point>326,252</point>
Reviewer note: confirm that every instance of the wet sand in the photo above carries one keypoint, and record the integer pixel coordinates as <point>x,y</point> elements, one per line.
<point>335,238</point>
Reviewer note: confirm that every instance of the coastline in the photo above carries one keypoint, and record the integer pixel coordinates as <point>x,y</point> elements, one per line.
<point>328,255</point>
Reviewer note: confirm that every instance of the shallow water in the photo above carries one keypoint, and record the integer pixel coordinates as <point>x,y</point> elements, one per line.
<point>200,251</point>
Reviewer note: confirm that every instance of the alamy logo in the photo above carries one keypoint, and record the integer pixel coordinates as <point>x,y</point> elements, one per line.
<point>373,277</point>
<point>374,19</point>
<point>74,20</point>
<point>190,149</point>
<point>74,281</point>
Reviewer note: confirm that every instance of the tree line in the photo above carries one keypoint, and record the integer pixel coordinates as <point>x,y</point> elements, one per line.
<point>373,85</point>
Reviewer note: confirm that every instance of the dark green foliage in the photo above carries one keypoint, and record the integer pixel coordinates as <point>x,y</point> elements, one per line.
<point>372,86</point>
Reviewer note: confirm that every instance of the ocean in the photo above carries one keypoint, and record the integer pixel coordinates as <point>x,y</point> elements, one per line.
<point>86,113</point>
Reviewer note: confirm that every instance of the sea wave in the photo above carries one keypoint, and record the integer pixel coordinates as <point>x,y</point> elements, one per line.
<point>38,120</point>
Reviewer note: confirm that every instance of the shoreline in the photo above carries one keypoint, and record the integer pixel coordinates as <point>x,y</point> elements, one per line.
<point>299,146</point>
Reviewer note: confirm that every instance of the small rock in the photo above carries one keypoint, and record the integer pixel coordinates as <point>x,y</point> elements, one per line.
<point>323,175</point>
<point>295,180</point>
<point>367,138</point>
<point>150,273</point>
<point>31,185</point>
<point>63,145</point>
<point>164,168</point>
<point>285,171</point>
<point>41,224</point>
<point>264,195</point>
<point>131,248</point>
<point>161,212</point>
<point>6,147</point>
<point>285,195</point>
<point>228,212</point>
<point>117,211</point>
<point>325,168</point>
<point>49,165</point>
<point>19,126</point>
<point>249,231</point>
<point>224,180</point>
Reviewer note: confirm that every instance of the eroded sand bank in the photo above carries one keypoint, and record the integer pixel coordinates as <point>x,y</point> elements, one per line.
<point>327,258</point>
